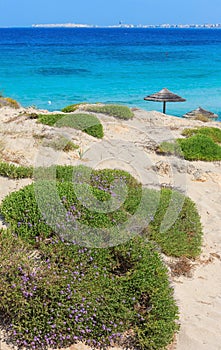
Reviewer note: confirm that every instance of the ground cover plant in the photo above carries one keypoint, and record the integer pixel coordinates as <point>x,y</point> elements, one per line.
<point>200,147</point>
<point>169,148</point>
<point>200,144</point>
<point>63,294</point>
<point>213,133</point>
<point>14,171</point>
<point>82,121</point>
<point>60,143</point>
<point>21,209</point>
<point>73,107</point>
<point>117,111</point>
<point>184,235</point>
<point>55,293</point>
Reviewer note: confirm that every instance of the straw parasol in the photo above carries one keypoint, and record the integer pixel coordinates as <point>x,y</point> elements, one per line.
<point>164,96</point>
<point>200,112</point>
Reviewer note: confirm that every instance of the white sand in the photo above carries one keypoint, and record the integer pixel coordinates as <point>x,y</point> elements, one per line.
<point>129,145</point>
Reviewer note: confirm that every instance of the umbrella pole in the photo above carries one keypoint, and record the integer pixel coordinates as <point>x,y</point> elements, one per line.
<point>164,107</point>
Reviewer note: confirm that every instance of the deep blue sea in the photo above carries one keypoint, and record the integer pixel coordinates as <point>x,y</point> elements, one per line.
<point>54,67</point>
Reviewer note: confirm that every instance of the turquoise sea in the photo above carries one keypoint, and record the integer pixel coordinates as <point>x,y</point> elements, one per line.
<point>51,68</point>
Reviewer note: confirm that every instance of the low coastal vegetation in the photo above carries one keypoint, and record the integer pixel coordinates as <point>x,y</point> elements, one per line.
<point>73,107</point>
<point>60,284</point>
<point>56,292</point>
<point>60,143</point>
<point>199,144</point>
<point>113,110</point>
<point>15,172</point>
<point>8,102</point>
<point>213,133</point>
<point>85,122</point>
<point>169,148</point>
<point>200,147</point>
<point>176,227</point>
<point>117,111</point>
<point>59,294</point>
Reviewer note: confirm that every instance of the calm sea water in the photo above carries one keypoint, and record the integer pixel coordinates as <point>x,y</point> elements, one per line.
<point>52,68</point>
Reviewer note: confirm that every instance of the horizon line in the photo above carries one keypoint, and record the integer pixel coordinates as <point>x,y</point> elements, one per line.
<point>120,25</point>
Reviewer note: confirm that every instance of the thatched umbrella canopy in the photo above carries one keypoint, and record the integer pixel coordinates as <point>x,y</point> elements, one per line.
<point>200,112</point>
<point>164,96</point>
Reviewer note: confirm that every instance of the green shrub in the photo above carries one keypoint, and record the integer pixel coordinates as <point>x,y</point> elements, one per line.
<point>49,119</point>
<point>213,133</point>
<point>85,122</point>
<point>81,187</point>
<point>117,111</point>
<point>66,173</point>
<point>21,209</point>
<point>200,147</point>
<point>72,293</point>
<point>169,148</point>
<point>176,227</point>
<point>61,294</point>
<point>81,121</point>
<point>73,108</point>
<point>15,172</point>
<point>200,144</point>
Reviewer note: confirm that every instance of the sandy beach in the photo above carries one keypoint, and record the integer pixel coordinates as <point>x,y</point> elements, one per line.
<point>130,145</point>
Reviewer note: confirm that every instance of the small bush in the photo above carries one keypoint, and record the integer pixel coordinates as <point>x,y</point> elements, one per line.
<point>15,172</point>
<point>50,119</point>
<point>169,148</point>
<point>81,121</point>
<point>21,209</point>
<point>61,294</point>
<point>72,108</point>
<point>72,293</point>
<point>200,147</point>
<point>117,111</point>
<point>213,133</point>
<point>184,235</point>
<point>60,143</point>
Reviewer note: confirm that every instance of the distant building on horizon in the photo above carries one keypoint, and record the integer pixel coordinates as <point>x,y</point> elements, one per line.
<point>126,25</point>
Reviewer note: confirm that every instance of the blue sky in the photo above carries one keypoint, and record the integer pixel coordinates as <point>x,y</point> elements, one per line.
<point>102,12</point>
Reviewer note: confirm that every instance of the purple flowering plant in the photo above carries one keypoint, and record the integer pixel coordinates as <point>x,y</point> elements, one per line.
<point>54,292</point>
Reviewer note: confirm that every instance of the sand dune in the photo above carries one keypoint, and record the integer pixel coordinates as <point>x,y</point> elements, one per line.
<point>130,146</point>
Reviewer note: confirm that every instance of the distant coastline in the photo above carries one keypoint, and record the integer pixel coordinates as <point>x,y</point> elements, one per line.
<point>121,25</point>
